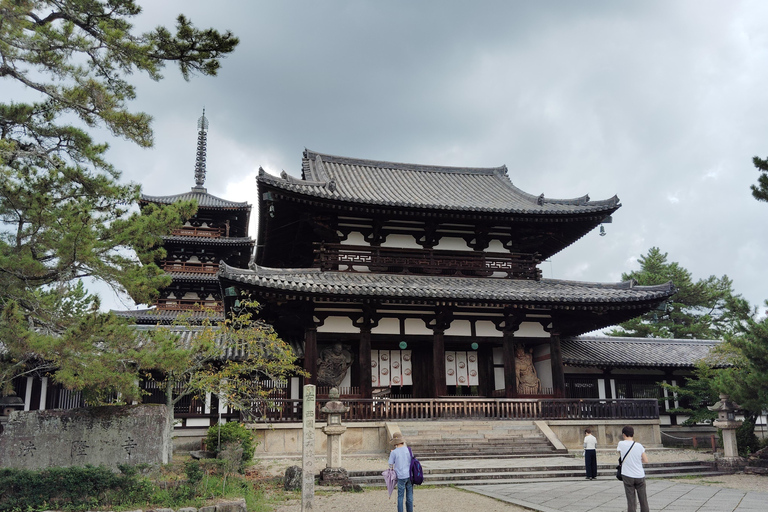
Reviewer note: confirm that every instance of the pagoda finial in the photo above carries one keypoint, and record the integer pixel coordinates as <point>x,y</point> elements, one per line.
<point>202,138</point>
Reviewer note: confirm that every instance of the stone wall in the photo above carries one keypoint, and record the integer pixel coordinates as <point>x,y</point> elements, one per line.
<point>364,438</point>
<point>100,436</point>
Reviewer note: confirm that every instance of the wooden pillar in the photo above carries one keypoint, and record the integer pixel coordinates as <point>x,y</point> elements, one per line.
<point>508,325</point>
<point>510,376</point>
<point>310,354</point>
<point>438,363</point>
<point>485,370</point>
<point>556,358</point>
<point>364,361</point>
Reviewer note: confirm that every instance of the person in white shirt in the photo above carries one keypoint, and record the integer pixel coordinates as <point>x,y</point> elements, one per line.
<point>633,457</point>
<point>590,454</point>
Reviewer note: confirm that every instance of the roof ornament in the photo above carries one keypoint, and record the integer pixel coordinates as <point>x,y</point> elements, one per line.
<point>540,200</point>
<point>202,138</point>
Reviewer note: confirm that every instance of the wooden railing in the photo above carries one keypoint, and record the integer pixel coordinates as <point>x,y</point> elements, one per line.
<point>286,411</point>
<point>192,267</point>
<point>189,305</point>
<point>203,232</point>
<point>426,261</point>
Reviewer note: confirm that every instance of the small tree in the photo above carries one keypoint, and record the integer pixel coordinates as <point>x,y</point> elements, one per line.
<point>227,360</point>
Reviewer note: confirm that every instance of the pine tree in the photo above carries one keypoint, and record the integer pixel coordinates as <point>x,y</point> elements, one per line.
<point>64,213</point>
<point>760,191</point>
<point>703,309</point>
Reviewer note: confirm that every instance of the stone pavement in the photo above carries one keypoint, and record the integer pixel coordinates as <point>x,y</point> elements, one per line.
<point>607,495</point>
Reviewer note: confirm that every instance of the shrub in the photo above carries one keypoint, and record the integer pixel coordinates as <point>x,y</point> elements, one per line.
<point>746,439</point>
<point>73,488</point>
<point>232,432</point>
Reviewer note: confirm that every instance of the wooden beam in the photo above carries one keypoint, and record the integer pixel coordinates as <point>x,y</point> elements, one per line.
<point>310,354</point>
<point>438,364</point>
<point>556,359</point>
<point>364,362</point>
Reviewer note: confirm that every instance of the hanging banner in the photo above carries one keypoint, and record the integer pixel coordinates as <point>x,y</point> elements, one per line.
<point>406,356</point>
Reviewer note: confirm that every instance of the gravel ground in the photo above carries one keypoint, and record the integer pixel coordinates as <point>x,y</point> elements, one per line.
<point>431,499</point>
<point>449,498</point>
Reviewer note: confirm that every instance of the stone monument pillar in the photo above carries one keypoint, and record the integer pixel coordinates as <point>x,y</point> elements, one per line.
<point>727,422</point>
<point>334,474</point>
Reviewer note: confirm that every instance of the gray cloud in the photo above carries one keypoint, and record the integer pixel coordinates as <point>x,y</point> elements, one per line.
<point>658,102</point>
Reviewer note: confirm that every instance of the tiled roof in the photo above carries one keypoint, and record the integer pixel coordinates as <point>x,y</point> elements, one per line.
<point>634,352</point>
<point>423,186</point>
<point>550,291</point>
<point>204,240</point>
<point>164,316</point>
<point>193,277</point>
<point>201,195</point>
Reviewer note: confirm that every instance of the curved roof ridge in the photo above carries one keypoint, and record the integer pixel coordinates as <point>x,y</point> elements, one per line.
<point>383,164</point>
<point>314,280</point>
<point>630,284</point>
<point>633,339</point>
<point>199,194</point>
<point>401,185</point>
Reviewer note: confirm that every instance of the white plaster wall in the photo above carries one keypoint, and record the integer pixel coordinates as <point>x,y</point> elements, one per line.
<point>338,324</point>
<point>450,243</point>
<point>355,238</point>
<point>531,330</point>
<point>401,242</point>
<point>496,246</point>
<point>487,328</point>
<point>416,326</point>
<point>543,368</point>
<point>460,328</point>
<point>387,326</point>
<point>498,378</point>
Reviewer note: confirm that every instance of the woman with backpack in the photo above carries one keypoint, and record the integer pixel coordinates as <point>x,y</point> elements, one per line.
<point>400,461</point>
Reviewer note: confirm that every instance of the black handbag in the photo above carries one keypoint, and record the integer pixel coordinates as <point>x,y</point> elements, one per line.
<point>621,461</point>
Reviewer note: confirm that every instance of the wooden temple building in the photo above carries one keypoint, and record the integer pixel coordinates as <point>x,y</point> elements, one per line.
<point>422,281</point>
<point>413,282</point>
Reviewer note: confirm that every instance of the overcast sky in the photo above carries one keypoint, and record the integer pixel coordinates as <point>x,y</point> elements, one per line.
<point>662,103</point>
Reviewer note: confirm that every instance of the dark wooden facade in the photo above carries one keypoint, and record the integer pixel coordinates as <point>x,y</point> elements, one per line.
<point>427,267</point>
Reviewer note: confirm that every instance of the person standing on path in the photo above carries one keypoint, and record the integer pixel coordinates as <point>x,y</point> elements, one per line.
<point>633,457</point>
<point>400,460</point>
<point>590,454</point>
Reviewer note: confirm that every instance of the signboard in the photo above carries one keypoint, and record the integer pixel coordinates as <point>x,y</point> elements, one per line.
<point>308,449</point>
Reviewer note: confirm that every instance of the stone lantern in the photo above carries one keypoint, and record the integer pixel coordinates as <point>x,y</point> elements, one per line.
<point>334,474</point>
<point>727,422</point>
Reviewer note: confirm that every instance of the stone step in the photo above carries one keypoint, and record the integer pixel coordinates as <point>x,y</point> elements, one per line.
<point>547,479</point>
<point>511,475</point>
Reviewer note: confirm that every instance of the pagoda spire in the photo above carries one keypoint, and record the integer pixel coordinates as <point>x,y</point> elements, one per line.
<point>202,139</point>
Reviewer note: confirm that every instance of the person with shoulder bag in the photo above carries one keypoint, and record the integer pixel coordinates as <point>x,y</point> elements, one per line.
<point>632,456</point>
<point>400,460</point>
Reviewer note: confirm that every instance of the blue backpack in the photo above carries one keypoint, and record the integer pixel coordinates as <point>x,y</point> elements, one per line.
<point>417,473</point>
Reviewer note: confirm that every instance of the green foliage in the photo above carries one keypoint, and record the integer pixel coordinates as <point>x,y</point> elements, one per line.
<point>746,380</point>
<point>226,359</point>
<point>64,215</point>
<point>704,309</point>
<point>746,440</point>
<point>73,488</point>
<point>760,191</point>
<point>193,471</point>
<point>228,433</point>
<point>696,394</point>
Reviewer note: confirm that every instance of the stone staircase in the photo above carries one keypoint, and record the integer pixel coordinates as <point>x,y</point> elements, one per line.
<point>496,472</point>
<point>435,440</point>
